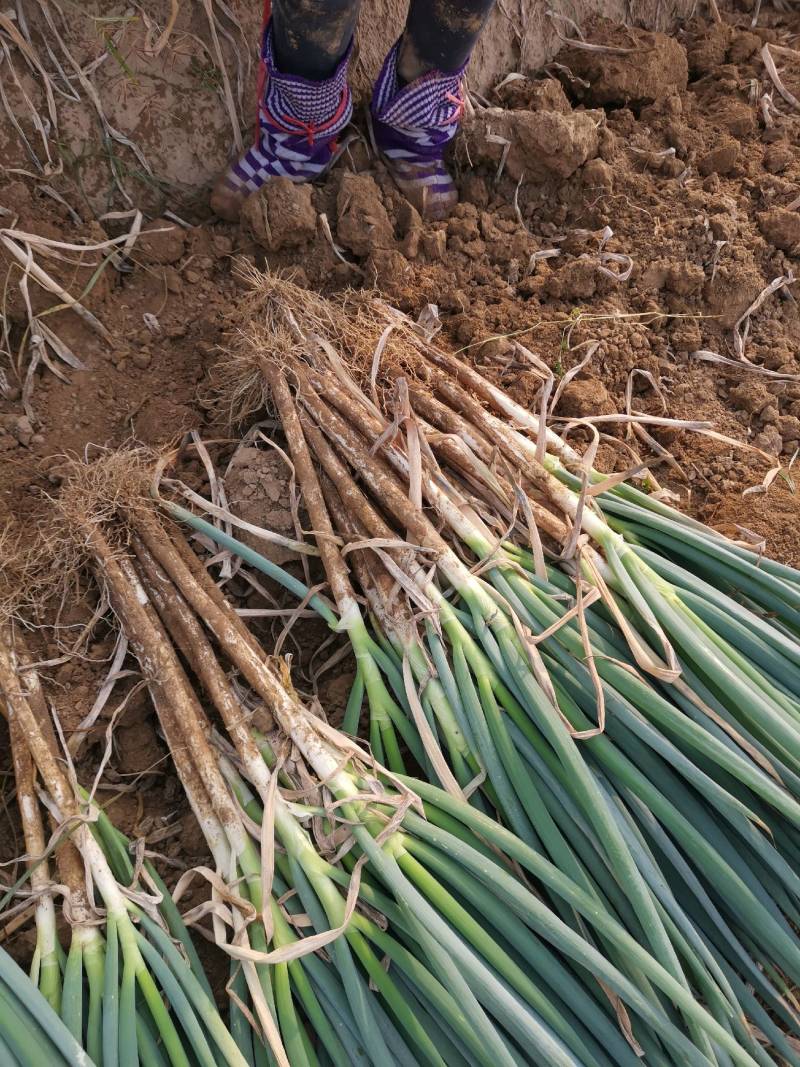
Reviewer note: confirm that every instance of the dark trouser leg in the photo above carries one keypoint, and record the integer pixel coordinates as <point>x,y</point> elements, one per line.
<point>440,34</point>
<point>311,36</point>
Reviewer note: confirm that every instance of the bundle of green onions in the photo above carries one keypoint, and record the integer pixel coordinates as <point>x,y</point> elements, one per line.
<point>128,948</point>
<point>442,946</point>
<point>609,705</point>
<point>582,847</point>
<point>286,987</point>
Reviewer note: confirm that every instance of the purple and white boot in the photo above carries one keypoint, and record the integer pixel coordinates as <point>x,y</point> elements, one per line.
<point>299,121</point>
<point>412,125</point>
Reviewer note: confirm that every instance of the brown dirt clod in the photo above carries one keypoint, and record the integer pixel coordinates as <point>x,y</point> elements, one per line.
<point>541,145</point>
<point>779,156</point>
<point>534,94</point>
<point>654,66</point>
<point>782,229</point>
<point>362,221</point>
<point>281,215</point>
<point>720,160</point>
<point>585,396</point>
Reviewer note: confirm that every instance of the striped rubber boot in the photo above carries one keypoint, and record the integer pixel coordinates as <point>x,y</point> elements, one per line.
<point>412,126</point>
<point>299,121</point>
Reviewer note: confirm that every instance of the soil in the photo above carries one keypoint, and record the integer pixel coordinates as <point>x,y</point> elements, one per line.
<point>642,198</point>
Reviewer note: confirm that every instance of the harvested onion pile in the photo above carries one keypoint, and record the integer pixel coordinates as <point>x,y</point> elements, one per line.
<point>569,830</point>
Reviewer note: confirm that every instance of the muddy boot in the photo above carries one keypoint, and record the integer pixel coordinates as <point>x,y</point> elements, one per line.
<point>299,121</point>
<point>412,125</point>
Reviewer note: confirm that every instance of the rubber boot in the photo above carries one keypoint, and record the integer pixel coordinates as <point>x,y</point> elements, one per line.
<point>412,125</point>
<point>299,123</point>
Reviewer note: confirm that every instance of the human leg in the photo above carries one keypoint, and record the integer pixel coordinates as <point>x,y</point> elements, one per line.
<point>310,37</point>
<point>304,99</point>
<point>417,102</point>
<point>440,35</point>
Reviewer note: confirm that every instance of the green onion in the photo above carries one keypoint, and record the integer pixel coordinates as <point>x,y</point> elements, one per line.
<point>112,984</point>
